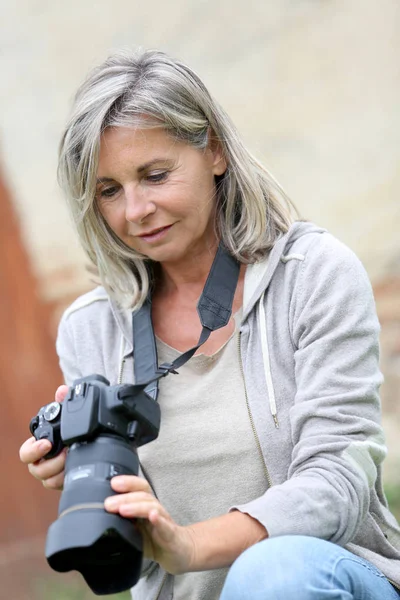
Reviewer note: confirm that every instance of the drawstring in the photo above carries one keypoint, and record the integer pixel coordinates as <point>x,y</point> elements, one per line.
<point>265,353</point>
<point>293,256</point>
<point>262,323</point>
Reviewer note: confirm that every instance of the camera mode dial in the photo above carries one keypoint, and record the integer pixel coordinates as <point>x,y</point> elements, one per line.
<point>51,411</point>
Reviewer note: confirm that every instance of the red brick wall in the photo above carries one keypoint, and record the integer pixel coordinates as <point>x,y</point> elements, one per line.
<point>29,375</point>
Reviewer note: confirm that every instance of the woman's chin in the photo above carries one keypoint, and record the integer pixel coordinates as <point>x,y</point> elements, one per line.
<point>164,254</point>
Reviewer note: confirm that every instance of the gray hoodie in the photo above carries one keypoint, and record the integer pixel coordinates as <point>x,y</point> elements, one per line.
<point>310,352</point>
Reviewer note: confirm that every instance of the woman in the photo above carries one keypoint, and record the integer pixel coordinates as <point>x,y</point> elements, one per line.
<point>270,450</point>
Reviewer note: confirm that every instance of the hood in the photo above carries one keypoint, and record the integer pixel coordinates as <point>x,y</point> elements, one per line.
<point>259,275</point>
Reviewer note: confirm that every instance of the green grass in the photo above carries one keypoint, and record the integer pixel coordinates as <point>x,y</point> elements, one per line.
<point>393,497</point>
<point>73,589</point>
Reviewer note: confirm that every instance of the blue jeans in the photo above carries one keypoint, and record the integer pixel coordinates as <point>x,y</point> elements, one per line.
<point>304,568</point>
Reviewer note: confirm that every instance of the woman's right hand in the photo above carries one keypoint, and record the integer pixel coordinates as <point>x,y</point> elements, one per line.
<point>49,472</point>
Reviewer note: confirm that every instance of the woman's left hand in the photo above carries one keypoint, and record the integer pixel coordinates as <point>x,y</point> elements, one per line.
<point>164,541</point>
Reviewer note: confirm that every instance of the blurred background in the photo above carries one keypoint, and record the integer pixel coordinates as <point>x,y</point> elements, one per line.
<point>314,87</point>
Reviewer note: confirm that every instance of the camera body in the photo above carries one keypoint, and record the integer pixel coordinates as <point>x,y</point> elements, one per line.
<point>103,426</point>
<point>93,407</point>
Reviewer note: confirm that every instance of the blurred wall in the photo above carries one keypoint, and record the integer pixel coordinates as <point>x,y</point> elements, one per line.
<point>313,85</point>
<point>29,374</point>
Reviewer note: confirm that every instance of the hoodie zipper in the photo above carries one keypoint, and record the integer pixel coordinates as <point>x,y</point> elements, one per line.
<point>267,475</point>
<point>121,370</point>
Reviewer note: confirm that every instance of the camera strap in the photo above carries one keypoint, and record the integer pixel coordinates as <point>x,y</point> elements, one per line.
<point>214,309</point>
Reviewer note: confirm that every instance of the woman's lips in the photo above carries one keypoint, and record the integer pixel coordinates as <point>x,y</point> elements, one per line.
<point>156,235</point>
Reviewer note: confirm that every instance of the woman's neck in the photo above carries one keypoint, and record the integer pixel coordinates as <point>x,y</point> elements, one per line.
<point>189,274</point>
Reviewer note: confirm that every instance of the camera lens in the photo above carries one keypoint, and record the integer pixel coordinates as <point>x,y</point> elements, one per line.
<point>105,548</point>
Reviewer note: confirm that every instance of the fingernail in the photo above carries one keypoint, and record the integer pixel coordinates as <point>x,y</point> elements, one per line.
<point>110,502</point>
<point>45,445</point>
<point>118,480</point>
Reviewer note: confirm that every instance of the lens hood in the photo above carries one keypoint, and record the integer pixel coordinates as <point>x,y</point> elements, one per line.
<point>105,548</point>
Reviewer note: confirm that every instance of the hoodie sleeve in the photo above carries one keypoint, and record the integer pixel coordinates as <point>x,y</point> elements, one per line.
<point>335,417</point>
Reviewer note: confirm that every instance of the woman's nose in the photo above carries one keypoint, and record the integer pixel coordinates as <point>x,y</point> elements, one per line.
<point>137,205</point>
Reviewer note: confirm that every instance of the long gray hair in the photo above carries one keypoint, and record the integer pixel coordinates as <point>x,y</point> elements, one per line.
<point>252,209</point>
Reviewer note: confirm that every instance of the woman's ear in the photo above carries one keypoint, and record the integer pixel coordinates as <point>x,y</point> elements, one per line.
<point>219,163</point>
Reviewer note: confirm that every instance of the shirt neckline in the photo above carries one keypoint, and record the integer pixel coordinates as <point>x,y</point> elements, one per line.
<point>172,352</point>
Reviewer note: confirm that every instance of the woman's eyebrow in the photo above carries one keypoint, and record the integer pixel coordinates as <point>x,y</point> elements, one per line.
<point>152,162</point>
<point>104,180</point>
<point>144,167</point>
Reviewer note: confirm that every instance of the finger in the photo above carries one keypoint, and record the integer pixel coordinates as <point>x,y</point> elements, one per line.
<point>133,505</point>
<point>61,392</point>
<point>113,502</point>
<point>45,469</point>
<point>54,483</point>
<point>31,451</point>
<point>130,483</point>
<point>140,510</point>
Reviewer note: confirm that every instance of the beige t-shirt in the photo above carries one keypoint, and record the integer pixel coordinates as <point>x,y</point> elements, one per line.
<point>205,458</point>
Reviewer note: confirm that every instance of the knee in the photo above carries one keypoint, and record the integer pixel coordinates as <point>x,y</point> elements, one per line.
<point>278,568</point>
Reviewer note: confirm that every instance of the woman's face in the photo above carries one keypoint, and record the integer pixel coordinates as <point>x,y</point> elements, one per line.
<point>158,194</point>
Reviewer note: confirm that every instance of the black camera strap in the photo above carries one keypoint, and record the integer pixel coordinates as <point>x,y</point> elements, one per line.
<point>214,309</point>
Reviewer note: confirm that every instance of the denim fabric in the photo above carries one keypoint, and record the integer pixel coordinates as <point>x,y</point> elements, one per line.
<point>304,568</point>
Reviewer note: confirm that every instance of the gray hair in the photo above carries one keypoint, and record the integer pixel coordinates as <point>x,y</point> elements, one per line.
<point>252,209</point>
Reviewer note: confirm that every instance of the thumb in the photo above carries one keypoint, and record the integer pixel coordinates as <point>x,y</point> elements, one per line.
<point>61,392</point>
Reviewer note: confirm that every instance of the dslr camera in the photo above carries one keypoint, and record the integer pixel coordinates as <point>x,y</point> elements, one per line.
<point>102,426</point>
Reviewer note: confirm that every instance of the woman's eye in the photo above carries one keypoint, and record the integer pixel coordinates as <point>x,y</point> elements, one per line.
<point>108,192</point>
<point>157,177</point>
